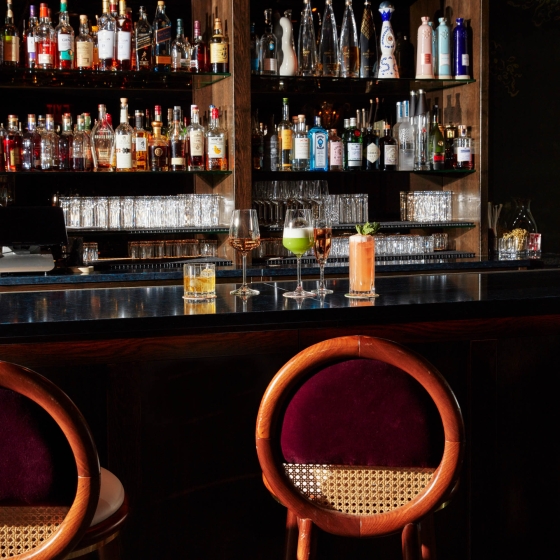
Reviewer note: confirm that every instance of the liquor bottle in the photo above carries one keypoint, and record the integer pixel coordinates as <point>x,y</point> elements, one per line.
<point>49,144</point>
<point>257,146</point>
<point>10,39</point>
<point>161,44</point>
<point>106,38</point>
<point>434,49</point>
<point>436,142</point>
<point>143,41</point>
<point>399,116</point>
<point>269,47</point>
<point>369,56</point>
<point>370,150</point>
<point>140,139</point>
<point>45,44</point>
<point>335,151</point>
<point>124,38</point>
<point>328,59</point>
<point>404,57</point>
<point>195,142</point>
<point>444,50</point>
<point>65,144</point>
<point>3,135</point>
<point>349,44</point>
<point>64,40</point>
<point>180,51</point>
<point>94,30</point>
<point>287,57</point>
<point>300,158</point>
<point>216,157</point>
<point>406,138</point>
<point>84,46</point>
<point>13,145</point>
<point>158,149</point>
<point>103,142</point>
<point>166,128</point>
<point>463,145</point>
<point>307,46</point>
<point>353,144</point>
<point>461,58</point>
<point>424,68</point>
<point>219,51</point>
<point>387,63</point>
<point>255,50</point>
<point>31,146</point>
<point>271,150</point>
<point>421,124</point>
<point>388,151</point>
<point>318,147</point>
<point>200,60</point>
<point>132,39</point>
<point>177,142</point>
<point>81,147</point>
<point>30,38</point>
<point>450,134</point>
<point>125,148</point>
<point>285,132</point>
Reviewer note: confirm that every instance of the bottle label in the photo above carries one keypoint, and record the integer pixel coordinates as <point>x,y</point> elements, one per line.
<point>465,61</point>
<point>45,59</point>
<point>463,154</point>
<point>354,154</point>
<point>123,146</point>
<point>84,54</point>
<point>301,148</point>
<point>162,35</point>
<point>65,47</point>
<point>372,152</point>
<point>196,143</point>
<point>286,139</point>
<point>427,58</point>
<point>444,59</point>
<point>30,44</point>
<point>11,49</point>
<point>106,42</point>
<point>141,144</point>
<point>143,40</point>
<point>216,147</point>
<point>123,45</point>
<point>391,154</point>
<point>270,65</point>
<point>335,149</point>
<point>177,161</point>
<point>218,53</point>
<point>320,150</point>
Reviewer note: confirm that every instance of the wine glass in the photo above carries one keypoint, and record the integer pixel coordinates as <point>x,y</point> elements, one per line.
<point>298,238</point>
<point>243,237</point>
<point>322,238</point>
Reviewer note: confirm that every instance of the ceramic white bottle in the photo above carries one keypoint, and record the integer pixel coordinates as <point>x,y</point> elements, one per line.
<point>424,68</point>
<point>444,50</point>
<point>387,62</point>
<point>289,66</point>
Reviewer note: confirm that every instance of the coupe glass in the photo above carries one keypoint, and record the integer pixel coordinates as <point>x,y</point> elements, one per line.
<point>322,238</point>
<point>298,238</point>
<point>243,237</point>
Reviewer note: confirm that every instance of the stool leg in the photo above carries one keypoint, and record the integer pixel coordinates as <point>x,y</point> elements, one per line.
<point>290,552</point>
<point>410,542</point>
<point>428,538</point>
<point>304,540</point>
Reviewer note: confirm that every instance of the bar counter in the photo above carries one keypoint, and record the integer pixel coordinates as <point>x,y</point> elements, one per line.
<point>171,391</point>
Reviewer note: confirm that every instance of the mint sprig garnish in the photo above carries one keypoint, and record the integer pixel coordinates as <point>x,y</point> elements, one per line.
<point>369,228</point>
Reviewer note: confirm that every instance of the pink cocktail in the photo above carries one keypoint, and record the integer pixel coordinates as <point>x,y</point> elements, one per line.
<point>362,266</point>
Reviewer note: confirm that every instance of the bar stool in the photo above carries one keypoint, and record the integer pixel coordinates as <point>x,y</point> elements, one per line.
<point>360,437</point>
<point>55,501</point>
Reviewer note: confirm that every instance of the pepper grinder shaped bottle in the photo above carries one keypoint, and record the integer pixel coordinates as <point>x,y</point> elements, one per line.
<point>444,50</point>
<point>461,58</point>
<point>307,51</point>
<point>424,69</point>
<point>387,63</point>
<point>289,64</point>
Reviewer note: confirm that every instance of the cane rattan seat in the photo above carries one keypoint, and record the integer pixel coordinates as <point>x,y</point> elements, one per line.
<point>368,474</point>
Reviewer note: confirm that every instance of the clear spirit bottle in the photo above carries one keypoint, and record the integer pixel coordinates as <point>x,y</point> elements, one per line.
<point>103,142</point>
<point>307,46</point>
<point>123,38</point>
<point>406,138</point>
<point>300,161</point>
<point>271,150</point>
<point>369,56</point>
<point>318,147</point>
<point>161,44</point>
<point>335,151</point>
<point>30,38</point>
<point>45,42</point>
<point>106,38</point>
<point>269,47</point>
<point>158,149</point>
<point>49,145</point>
<point>195,142</point>
<point>64,40</point>
<point>81,147</point>
<point>349,45</point>
<point>140,140</point>
<point>177,142</point>
<point>219,49</point>
<point>31,146</point>
<point>180,51</point>
<point>143,41</point>
<point>285,132</point>
<point>65,144</point>
<point>84,46</point>
<point>328,59</point>
<point>10,39</point>
<point>216,157</point>
<point>124,146</point>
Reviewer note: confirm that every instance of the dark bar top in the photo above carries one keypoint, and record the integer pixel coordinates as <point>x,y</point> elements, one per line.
<point>111,312</point>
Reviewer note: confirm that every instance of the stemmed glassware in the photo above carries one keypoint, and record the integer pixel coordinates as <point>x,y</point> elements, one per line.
<point>244,236</point>
<point>322,238</point>
<point>298,238</point>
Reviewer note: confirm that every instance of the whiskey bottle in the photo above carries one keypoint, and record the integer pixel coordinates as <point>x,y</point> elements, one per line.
<point>328,59</point>
<point>436,142</point>
<point>388,151</point>
<point>269,47</point>
<point>45,43</point>
<point>103,142</point>
<point>285,132</point>
<point>307,46</point>
<point>94,30</point>
<point>219,51</point>
<point>318,147</point>
<point>81,147</point>
<point>335,151</point>
<point>30,38</point>
<point>84,46</point>
<point>177,142</point>
<point>300,160</point>
<point>64,40</point>
<point>370,150</point>
<point>10,39</point>
<point>106,38</point>
<point>65,144</point>
<point>200,61</point>
<point>13,145</point>
<point>140,139</point>
<point>124,38</point>
<point>180,51</point>
<point>31,146</point>
<point>195,142</point>
<point>158,149</point>
<point>353,144</point>
<point>349,45</point>
<point>161,44</point>
<point>143,41</point>
<point>124,146</point>
<point>216,157</point>
<point>368,44</point>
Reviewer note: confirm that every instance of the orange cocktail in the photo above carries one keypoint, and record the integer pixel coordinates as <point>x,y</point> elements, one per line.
<point>362,266</point>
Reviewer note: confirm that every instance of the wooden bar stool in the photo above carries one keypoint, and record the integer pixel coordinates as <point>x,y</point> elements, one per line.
<point>360,437</point>
<point>55,501</point>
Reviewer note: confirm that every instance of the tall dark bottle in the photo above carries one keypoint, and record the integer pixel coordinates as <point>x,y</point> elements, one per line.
<point>436,142</point>
<point>10,39</point>
<point>219,51</point>
<point>388,151</point>
<point>143,41</point>
<point>461,58</point>
<point>161,44</point>
<point>368,44</point>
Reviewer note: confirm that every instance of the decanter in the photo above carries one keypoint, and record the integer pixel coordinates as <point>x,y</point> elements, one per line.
<point>387,63</point>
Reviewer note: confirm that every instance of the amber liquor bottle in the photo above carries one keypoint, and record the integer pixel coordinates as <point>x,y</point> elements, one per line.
<point>219,51</point>
<point>13,145</point>
<point>158,149</point>
<point>140,140</point>
<point>177,142</point>
<point>216,157</point>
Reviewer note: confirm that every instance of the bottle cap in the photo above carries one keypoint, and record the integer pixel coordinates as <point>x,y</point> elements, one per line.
<point>124,100</point>
<point>83,18</point>
<point>317,121</point>
<point>353,121</point>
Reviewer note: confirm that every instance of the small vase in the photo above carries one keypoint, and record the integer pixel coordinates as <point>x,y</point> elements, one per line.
<point>523,218</point>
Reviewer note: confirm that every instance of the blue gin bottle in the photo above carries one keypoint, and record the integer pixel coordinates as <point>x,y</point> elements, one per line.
<point>461,58</point>
<point>318,147</point>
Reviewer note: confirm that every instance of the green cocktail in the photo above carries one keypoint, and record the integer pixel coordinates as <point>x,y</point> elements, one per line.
<point>298,240</point>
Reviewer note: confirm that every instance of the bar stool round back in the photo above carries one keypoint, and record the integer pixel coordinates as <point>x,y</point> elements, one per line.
<point>360,437</point>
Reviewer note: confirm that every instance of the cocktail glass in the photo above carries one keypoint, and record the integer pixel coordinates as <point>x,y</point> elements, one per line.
<point>244,236</point>
<point>362,266</point>
<point>298,238</point>
<point>322,238</point>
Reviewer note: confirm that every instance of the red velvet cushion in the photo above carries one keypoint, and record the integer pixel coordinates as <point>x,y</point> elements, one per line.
<point>362,412</point>
<point>36,462</point>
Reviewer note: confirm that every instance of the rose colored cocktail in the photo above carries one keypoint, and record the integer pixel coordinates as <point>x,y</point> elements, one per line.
<point>362,266</point>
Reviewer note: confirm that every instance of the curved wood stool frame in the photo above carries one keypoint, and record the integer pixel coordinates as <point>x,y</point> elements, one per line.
<point>312,360</point>
<point>70,420</point>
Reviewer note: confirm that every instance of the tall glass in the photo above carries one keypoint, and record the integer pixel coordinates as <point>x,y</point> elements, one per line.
<point>298,238</point>
<point>322,239</point>
<point>244,236</point>
<point>362,266</point>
